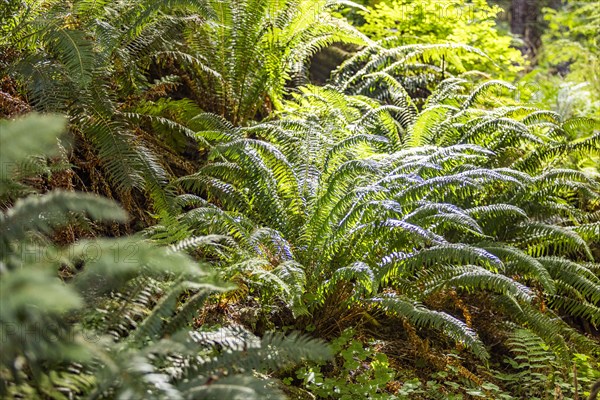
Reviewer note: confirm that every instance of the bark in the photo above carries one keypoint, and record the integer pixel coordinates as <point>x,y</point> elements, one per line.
<point>524,22</point>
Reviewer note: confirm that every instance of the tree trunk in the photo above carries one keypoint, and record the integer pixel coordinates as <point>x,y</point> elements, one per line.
<point>524,17</point>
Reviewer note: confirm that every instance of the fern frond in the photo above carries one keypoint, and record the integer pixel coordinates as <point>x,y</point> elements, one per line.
<point>49,211</point>
<point>16,143</point>
<point>480,278</point>
<point>401,264</point>
<point>483,89</point>
<point>541,238</point>
<point>358,273</point>
<point>575,275</point>
<point>420,316</point>
<point>517,261</point>
<point>74,50</point>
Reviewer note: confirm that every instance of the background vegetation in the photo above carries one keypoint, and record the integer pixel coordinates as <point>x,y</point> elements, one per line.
<point>298,198</point>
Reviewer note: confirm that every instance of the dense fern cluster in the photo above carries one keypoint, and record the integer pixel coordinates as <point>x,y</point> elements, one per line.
<point>57,342</point>
<point>356,198</point>
<point>408,198</point>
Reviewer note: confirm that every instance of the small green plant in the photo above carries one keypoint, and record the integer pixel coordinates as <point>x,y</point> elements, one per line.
<point>359,372</point>
<point>539,374</point>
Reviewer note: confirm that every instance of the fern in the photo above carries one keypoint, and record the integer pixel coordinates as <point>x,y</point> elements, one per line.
<point>361,193</point>
<point>423,317</point>
<point>149,296</point>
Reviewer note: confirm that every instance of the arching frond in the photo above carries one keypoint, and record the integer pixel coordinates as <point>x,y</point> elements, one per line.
<point>423,317</point>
